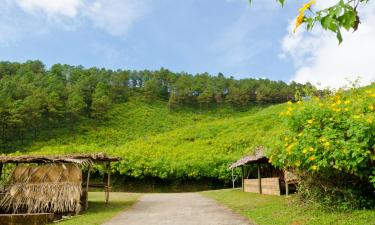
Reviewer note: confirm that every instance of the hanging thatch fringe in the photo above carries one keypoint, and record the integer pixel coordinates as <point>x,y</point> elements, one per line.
<point>41,198</point>
<point>53,188</point>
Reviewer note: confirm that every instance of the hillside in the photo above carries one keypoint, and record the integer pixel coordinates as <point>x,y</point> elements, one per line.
<point>155,142</point>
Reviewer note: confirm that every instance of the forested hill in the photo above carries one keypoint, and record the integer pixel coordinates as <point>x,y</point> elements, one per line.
<point>34,99</point>
<point>163,124</point>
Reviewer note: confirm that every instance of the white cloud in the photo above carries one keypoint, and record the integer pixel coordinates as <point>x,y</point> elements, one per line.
<point>116,16</point>
<point>319,59</point>
<point>52,7</point>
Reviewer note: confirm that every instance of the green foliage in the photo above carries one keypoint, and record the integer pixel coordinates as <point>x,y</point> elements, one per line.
<point>278,210</point>
<point>101,102</point>
<point>184,144</point>
<point>343,14</point>
<point>332,141</point>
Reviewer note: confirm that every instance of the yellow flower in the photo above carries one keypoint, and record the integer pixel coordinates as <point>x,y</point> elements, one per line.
<point>338,102</point>
<point>346,109</point>
<point>327,144</point>
<point>300,134</point>
<point>356,117</point>
<point>289,102</point>
<point>289,148</point>
<point>298,163</point>
<point>288,113</point>
<point>312,149</point>
<point>301,14</point>
<point>286,139</point>
<point>304,150</point>
<point>310,121</point>
<point>370,120</point>
<point>347,102</point>
<point>312,158</point>
<point>299,102</point>
<point>290,109</point>
<point>314,167</point>
<point>371,107</point>
<point>270,159</point>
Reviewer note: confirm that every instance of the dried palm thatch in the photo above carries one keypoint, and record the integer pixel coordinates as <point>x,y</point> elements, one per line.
<point>290,176</point>
<point>258,157</point>
<point>79,159</point>
<point>54,188</point>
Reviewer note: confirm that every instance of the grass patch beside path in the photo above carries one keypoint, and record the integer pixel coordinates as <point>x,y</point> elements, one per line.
<point>98,212</point>
<point>274,210</point>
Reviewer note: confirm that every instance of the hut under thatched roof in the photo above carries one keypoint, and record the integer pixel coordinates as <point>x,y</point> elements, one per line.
<point>266,185</point>
<point>50,184</point>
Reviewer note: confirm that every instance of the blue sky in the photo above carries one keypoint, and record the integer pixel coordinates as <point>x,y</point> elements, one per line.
<point>194,36</point>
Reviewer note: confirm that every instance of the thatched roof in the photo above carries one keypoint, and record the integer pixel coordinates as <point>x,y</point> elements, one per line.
<point>81,159</point>
<point>55,188</point>
<point>259,157</point>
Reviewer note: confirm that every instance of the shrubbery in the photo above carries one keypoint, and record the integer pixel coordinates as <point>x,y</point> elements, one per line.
<point>330,142</point>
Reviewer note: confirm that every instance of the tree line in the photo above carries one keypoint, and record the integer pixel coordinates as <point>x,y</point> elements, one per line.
<point>33,97</point>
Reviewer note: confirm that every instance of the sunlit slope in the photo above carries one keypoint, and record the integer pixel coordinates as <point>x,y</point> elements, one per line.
<point>155,142</point>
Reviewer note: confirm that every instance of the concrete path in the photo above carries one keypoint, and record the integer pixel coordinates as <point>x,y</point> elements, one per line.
<point>177,209</point>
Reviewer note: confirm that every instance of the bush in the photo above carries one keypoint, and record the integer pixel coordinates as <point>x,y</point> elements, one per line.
<point>331,143</point>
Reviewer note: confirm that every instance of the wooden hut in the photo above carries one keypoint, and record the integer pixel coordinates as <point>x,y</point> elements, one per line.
<point>50,184</point>
<point>274,184</point>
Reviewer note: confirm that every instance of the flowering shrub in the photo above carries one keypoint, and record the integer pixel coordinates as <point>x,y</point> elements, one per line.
<point>331,136</point>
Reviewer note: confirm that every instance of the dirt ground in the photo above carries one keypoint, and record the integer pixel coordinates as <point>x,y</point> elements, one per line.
<point>178,209</point>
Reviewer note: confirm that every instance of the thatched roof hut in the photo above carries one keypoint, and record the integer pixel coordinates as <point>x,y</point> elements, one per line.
<point>52,184</point>
<point>268,185</point>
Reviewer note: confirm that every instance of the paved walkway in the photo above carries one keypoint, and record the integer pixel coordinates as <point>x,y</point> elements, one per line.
<point>177,209</point>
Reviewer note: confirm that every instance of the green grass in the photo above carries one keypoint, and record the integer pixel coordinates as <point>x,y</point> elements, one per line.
<point>98,212</point>
<point>274,210</point>
<point>183,144</point>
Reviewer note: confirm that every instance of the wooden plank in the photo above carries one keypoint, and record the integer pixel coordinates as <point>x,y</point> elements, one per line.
<point>269,186</point>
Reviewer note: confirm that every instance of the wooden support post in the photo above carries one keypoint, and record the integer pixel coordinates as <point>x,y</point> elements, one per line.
<point>233,180</point>
<point>1,169</point>
<point>107,186</point>
<point>87,187</point>
<point>286,189</point>
<point>242,177</point>
<point>259,180</point>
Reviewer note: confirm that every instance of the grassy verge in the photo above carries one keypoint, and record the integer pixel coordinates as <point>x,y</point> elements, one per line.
<point>266,209</point>
<point>98,212</point>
